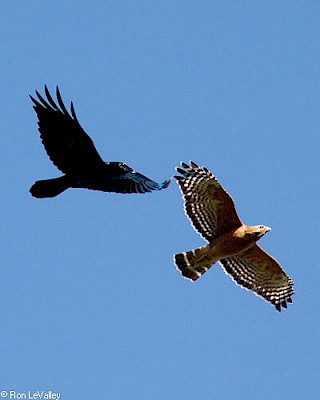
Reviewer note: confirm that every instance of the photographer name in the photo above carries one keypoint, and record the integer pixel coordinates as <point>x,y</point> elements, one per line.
<point>39,394</point>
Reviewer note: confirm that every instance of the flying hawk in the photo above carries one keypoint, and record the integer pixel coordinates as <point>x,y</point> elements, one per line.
<point>73,152</point>
<point>212,213</point>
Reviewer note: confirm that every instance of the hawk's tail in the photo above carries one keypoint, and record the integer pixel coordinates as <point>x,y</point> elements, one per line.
<point>194,263</point>
<point>49,187</point>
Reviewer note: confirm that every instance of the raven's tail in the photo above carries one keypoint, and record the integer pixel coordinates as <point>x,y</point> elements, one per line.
<point>49,187</point>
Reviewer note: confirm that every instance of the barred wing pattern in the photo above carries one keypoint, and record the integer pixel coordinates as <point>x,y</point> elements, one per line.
<point>208,206</point>
<point>212,213</point>
<point>258,271</point>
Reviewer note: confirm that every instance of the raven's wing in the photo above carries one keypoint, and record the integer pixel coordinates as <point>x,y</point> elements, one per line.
<point>66,143</point>
<point>119,178</point>
<point>134,182</point>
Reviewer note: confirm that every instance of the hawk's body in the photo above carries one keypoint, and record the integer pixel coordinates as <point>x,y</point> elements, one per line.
<point>232,243</point>
<point>73,152</point>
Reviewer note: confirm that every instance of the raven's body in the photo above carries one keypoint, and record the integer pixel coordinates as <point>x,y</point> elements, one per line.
<point>73,152</point>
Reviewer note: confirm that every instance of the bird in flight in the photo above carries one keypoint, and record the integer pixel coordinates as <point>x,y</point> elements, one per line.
<point>212,213</point>
<point>72,151</point>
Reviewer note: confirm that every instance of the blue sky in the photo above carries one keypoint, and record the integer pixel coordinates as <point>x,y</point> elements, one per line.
<point>91,304</point>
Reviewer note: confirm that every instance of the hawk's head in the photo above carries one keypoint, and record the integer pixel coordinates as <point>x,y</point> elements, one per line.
<point>258,230</point>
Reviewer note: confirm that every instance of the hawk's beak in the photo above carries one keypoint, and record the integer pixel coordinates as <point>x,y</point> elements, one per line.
<point>268,228</point>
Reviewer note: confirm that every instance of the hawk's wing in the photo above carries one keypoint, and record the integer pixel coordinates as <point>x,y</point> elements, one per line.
<point>209,207</point>
<point>66,143</point>
<point>256,270</point>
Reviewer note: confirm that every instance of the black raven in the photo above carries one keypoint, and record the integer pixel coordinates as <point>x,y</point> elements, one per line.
<point>73,152</point>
